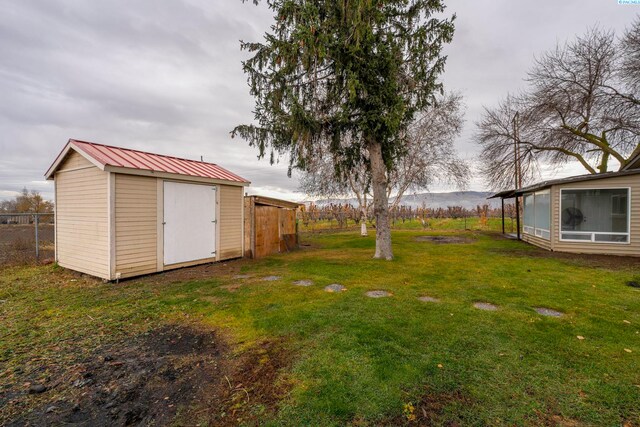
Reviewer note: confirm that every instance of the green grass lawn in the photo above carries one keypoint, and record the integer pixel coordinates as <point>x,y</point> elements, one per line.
<point>363,361</point>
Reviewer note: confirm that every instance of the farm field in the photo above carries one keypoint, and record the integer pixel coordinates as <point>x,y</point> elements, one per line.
<point>261,342</point>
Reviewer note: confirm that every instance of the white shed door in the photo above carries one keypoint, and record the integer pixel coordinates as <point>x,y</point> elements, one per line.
<point>189,222</point>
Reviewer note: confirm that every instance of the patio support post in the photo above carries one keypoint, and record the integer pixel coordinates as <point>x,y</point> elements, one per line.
<point>502,198</point>
<point>518,216</point>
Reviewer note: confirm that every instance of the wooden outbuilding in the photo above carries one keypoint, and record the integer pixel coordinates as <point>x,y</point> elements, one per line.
<point>270,226</point>
<point>122,213</point>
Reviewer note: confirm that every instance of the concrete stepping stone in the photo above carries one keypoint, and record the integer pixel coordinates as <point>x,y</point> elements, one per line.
<point>303,283</point>
<point>428,299</point>
<point>378,294</point>
<point>548,312</point>
<point>270,278</point>
<point>334,287</point>
<point>485,306</point>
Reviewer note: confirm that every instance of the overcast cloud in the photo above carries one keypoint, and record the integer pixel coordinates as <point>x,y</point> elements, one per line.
<point>166,76</point>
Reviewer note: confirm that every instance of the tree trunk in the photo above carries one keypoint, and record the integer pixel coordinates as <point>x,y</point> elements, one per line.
<point>604,164</point>
<point>380,201</point>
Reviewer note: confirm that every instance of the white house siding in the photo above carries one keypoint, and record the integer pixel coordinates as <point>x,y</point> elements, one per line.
<point>630,249</point>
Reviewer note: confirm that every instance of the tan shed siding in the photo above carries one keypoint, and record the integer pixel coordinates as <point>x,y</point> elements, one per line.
<point>231,235</point>
<point>82,217</point>
<point>249,206</point>
<point>136,211</point>
<point>74,160</point>
<point>537,241</point>
<point>632,249</point>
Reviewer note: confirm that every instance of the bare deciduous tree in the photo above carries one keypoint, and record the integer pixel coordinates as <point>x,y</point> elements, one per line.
<point>323,179</point>
<point>577,107</point>
<point>497,133</point>
<point>27,202</point>
<point>629,71</point>
<point>429,157</point>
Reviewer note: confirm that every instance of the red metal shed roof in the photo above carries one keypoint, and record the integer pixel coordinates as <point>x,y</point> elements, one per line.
<point>107,155</point>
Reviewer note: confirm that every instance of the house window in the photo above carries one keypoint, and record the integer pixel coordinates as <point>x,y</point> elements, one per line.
<point>537,213</point>
<point>595,215</point>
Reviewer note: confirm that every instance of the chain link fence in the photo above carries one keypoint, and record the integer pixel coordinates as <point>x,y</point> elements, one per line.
<point>26,238</point>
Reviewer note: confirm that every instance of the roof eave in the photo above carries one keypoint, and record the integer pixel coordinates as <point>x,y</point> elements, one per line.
<point>174,176</point>
<point>61,156</point>
<point>270,201</point>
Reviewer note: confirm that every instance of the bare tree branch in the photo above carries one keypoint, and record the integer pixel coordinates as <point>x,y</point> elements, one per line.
<point>580,104</point>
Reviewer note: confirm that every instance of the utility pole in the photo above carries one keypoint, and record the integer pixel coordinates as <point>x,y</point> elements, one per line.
<point>517,170</point>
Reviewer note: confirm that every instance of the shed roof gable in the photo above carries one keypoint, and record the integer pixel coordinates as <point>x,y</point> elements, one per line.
<point>125,159</point>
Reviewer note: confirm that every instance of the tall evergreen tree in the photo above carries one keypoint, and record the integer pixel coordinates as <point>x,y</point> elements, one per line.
<point>345,78</point>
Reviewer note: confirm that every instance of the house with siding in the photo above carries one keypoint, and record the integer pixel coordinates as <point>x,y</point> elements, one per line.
<point>121,212</point>
<point>591,214</point>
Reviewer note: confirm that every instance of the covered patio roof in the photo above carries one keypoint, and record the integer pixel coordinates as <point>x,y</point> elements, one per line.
<point>508,194</point>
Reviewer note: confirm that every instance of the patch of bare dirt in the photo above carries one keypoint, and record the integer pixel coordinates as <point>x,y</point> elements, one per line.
<point>610,262</point>
<point>256,388</point>
<point>171,375</point>
<point>430,411</point>
<point>552,420</point>
<point>444,239</point>
<point>198,272</point>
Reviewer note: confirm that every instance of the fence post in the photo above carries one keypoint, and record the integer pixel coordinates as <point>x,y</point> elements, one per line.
<point>37,242</point>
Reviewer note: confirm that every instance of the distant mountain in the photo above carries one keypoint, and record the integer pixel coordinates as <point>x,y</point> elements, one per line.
<point>466,199</point>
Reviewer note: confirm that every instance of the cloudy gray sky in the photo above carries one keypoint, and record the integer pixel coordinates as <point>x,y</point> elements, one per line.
<point>166,76</point>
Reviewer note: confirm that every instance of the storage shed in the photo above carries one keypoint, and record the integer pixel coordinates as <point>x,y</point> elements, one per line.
<point>594,214</point>
<point>122,213</point>
<point>270,226</point>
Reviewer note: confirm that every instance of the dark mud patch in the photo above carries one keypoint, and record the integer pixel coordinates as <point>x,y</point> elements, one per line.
<point>444,239</point>
<point>170,375</point>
